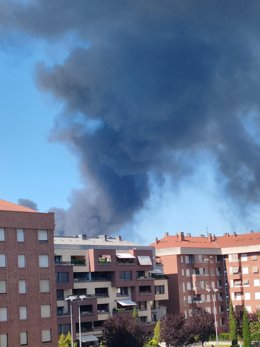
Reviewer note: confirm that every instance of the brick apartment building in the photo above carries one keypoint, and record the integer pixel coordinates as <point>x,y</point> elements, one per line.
<point>27,278</point>
<point>112,276</point>
<point>209,271</point>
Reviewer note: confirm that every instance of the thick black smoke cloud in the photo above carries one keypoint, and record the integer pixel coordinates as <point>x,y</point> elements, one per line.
<point>155,84</point>
<point>28,203</point>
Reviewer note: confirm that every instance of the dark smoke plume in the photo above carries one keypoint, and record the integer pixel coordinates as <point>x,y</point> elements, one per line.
<point>149,86</point>
<point>28,203</point>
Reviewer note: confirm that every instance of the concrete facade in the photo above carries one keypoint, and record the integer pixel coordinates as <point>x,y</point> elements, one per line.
<point>114,275</point>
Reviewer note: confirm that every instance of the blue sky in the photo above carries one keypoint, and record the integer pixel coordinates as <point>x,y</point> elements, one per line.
<point>132,97</point>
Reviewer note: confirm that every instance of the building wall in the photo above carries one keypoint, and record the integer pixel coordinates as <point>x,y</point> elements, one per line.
<point>30,303</point>
<point>102,283</point>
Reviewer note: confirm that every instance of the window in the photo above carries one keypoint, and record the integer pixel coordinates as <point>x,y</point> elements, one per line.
<point>23,312</point>
<point>247,296</point>
<point>243,257</point>
<point>2,234</point>
<point>2,288</point>
<point>20,235</point>
<point>188,286</point>
<point>249,309</point>
<point>159,289</point>
<point>2,260</point>
<point>63,328</point>
<point>3,340</point>
<point>257,295</point>
<point>101,291</point>
<point>21,260</point>
<point>23,338</point>
<point>22,287</point>
<point>46,335</point>
<point>43,260</point>
<point>257,282</point>
<point>245,283</point>
<point>126,275</point>
<point>234,270</point>
<point>3,314</point>
<point>45,311</point>
<point>255,269</point>
<point>104,259</point>
<point>42,235</point>
<point>238,296</point>
<point>62,277</point>
<point>245,270</point>
<point>233,257</point>
<point>102,308</point>
<point>254,257</point>
<point>60,294</point>
<point>44,286</point>
<point>122,291</point>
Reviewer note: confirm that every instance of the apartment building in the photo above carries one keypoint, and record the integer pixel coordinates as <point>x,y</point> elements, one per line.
<point>209,271</point>
<point>27,277</point>
<point>102,276</point>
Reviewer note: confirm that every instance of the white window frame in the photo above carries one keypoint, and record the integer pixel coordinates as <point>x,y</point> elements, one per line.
<point>23,312</point>
<point>3,340</point>
<point>2,287</point>
<point>22,286</point>
<point>20,235</point>
<point>2,234</point>
<point>45,286</point>
<point>46,335</point>
<point>43,260</point>
<point>3,314</point>
<point>43,235</point>
<point>21,261</point>
<point>45,311</point>
<point>2,260</point>
<point>23,338</point>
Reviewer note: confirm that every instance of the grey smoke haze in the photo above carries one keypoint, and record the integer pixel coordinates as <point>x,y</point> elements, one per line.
<point>149,86</point>
<point>28,203</point>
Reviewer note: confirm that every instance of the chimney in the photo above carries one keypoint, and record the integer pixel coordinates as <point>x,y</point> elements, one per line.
<point>166,234</point>
<point>181,236</point>
<point>102,237</point>
<point>119,238</point>
<point>210,238</point>
<point>156,241</point>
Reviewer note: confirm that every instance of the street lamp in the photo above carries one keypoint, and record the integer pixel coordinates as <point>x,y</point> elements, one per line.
<point>70,299</point>
<point>213,291</point>
<point>81,297</point>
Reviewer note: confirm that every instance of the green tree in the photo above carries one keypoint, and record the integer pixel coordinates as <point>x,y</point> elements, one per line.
<point>154,342</point>
<point>135,313</point>
<point>65,341</point>
<point>232,325</point>
<point>246,330</point>
<point>254,326</point>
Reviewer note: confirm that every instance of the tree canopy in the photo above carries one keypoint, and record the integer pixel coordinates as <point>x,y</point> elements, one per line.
<point>123,330</point>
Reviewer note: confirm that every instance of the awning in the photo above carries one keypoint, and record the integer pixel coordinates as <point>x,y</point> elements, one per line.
<point>126,302</point>
<point>144,260</point>
<point>88,338</point>
<point>156,271</point>
<point>125,256</point>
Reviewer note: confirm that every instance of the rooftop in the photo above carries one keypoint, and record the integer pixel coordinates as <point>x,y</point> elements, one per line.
<point>83,240</point>
<point>8,206</point>
<point>209,241</point>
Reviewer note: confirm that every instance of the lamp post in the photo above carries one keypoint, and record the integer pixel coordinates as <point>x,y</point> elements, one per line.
<point>213,291</point>
<point>70,299</point>
<point>81,297</point>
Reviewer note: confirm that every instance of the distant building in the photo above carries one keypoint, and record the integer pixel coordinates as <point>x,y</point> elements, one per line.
<point>210,271</point>
<point>111,276</point>
<point>27,278</point>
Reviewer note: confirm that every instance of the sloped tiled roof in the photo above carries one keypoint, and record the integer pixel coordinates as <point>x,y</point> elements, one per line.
<point>8,206</point>
<point>226,241</point>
